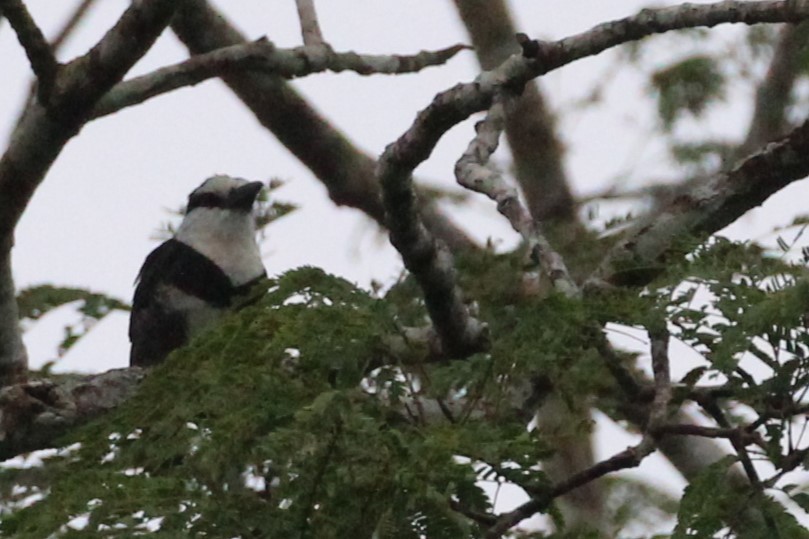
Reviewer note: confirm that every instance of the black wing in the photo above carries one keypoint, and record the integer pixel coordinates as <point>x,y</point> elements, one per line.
<point>155,329</point>
<point>175,263</point>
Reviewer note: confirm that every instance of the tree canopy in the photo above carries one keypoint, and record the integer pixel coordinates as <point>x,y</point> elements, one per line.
<point>321,409</point>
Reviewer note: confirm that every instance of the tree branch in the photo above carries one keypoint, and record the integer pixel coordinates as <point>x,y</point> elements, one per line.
<point>472,173</point>
<point>72,22</point>
<point>662,379</point>
<point>531,128</point>
<point>631,457</point>
<point>262,57</point>
<point>345,171</point>
<point>773,94</point>
<point>705,208</point>
<point>34,414</point>
<point>426,258</point>
<point>739,433</point>
<point>310,28</point>
<point>39,52</point>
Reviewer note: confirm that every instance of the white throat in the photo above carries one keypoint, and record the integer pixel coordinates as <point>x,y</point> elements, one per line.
<point>226,237</point>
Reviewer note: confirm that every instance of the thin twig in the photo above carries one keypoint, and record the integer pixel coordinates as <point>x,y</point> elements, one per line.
<point>39,52</point>
<point>71,24</point>
<point>310,28</point>
<point>739,433</point>
<point>629,458</point>
<point>484,519</point>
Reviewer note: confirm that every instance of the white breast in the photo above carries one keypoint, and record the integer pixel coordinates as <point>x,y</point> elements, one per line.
<point>226,237</point>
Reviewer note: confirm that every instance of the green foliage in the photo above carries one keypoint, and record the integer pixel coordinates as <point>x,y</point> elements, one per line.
<point>295,418</point>
<point>688,86</point>
<point>708,500</point>
<point>36,301</point>
<point>714,500</point>
<point>275,393</point>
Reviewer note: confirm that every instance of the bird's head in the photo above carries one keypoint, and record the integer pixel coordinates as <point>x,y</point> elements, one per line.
<point>218,220</point>
<point>226,193</point>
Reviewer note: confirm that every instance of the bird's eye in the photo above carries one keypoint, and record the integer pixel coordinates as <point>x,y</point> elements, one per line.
<point>204,200</point>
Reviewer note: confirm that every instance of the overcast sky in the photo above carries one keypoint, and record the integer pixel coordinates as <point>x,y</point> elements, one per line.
<point>94,218</point>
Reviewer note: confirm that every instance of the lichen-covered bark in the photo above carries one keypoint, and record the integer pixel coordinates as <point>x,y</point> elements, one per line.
<point>530,127</point>
<point>704,208</point>
<point>34,414</point>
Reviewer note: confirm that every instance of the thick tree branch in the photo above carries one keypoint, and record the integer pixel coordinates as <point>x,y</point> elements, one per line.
<point>262,57</point>
<point>13,356</point>
<point>39,52</point>
<point>705,208</point>
<point>345,171</point>
<point>34,414</point>
<point>426,258</point>
<point>662,380</point>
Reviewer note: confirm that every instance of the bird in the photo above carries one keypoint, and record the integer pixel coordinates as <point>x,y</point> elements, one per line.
<point>188,282</point>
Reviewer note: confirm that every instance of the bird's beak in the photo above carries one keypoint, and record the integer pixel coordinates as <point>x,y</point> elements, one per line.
<point>242,198</point>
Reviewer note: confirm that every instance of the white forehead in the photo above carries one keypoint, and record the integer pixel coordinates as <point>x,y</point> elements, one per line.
<point>220,184</point>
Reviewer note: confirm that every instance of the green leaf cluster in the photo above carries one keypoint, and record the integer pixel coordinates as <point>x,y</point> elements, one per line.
<point>688,86</point>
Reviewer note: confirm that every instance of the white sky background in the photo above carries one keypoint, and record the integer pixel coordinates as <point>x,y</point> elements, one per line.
<point>93,220</point>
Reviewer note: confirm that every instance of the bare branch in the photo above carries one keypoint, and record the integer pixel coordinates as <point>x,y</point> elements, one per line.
<point>531,128</point>
<point>13,356</point>
<point>631,457</point>
<point>34,414</point>
<point>705,208</point>
<point>657,21</point>
<point>39,52</point>
<point>426,258</point>
<point>472,173</point>
<point>310,29</point>
<point>458,103</point>
<point>662,379</point>
<point>344,170</point>
<point>262,57</point>
<point>738,433</point>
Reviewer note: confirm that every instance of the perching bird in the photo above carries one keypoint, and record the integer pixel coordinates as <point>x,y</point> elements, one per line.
<point>189,281</point>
